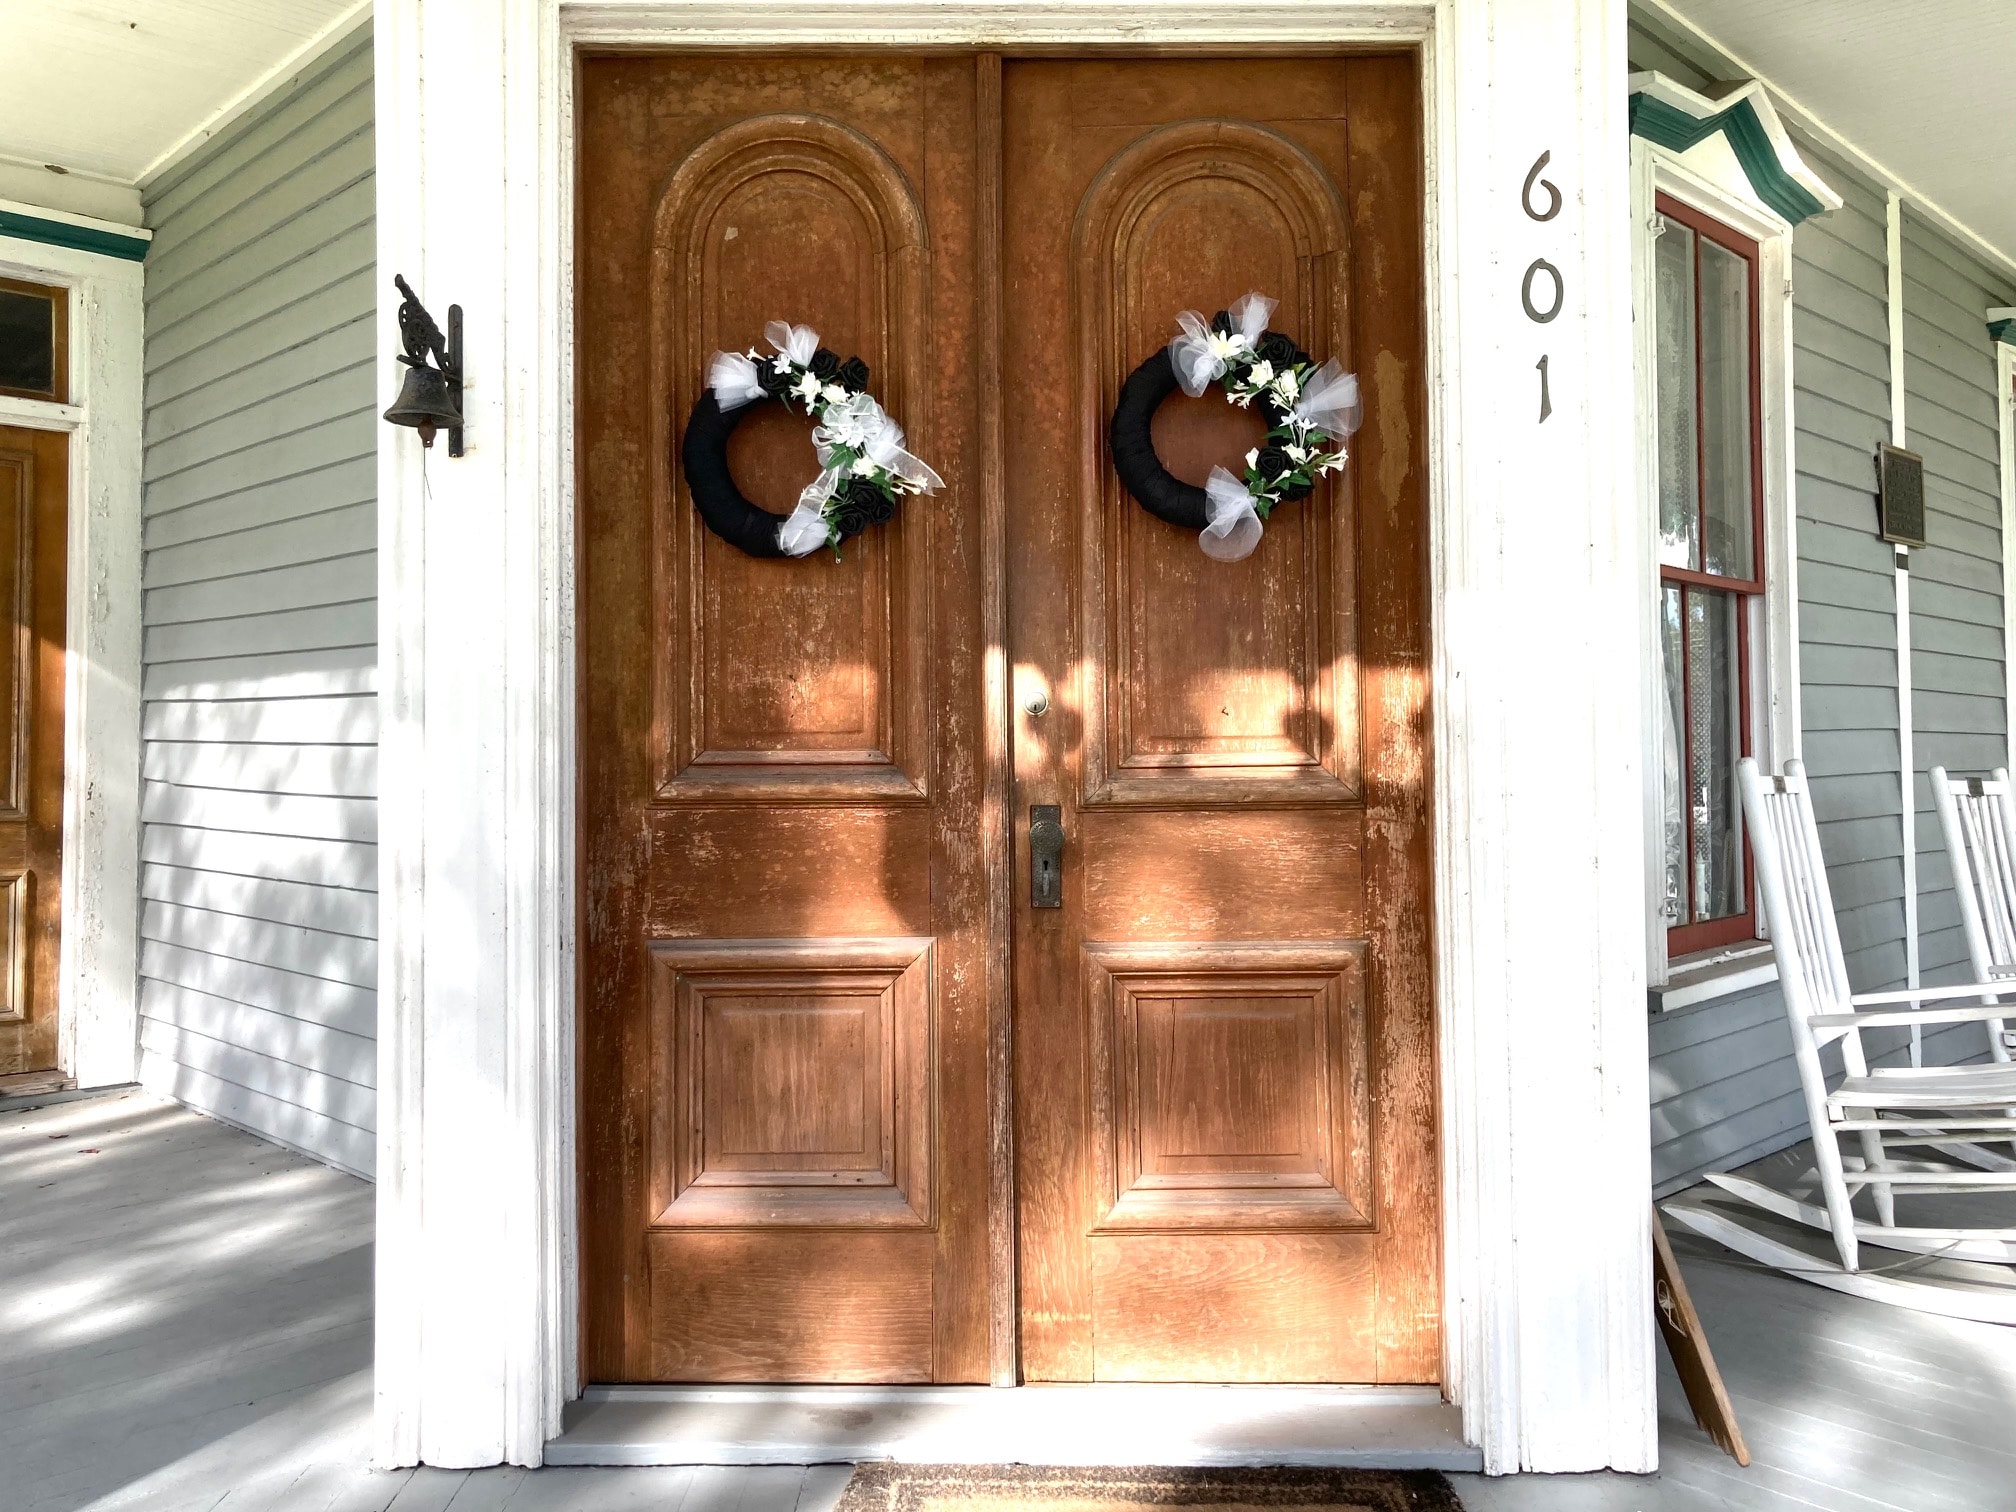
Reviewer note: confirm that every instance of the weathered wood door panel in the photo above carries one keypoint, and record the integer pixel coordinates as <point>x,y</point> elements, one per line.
<point>1224,1066</point>
<point>1223,1072</point>
<point>34,552</point>
<point>783,1061</point>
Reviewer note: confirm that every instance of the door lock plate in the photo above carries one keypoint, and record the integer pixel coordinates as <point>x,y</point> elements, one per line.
<point>1046,855</point>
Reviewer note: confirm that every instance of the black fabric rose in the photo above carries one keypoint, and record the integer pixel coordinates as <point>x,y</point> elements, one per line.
<point>852,375</point>
<point>1273,462</point>
<point>847,518</point>
<point>872,499</point>
<point>1279,350</point>
<point>774,383</point>
<point>824,364</point>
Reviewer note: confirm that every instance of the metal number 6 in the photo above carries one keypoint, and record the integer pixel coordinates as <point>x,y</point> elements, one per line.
<point>1553,195</point>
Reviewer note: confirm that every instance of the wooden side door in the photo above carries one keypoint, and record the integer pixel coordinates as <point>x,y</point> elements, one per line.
<point>1225,1070</point>
<point>34,538</point>
<point>783,975</point>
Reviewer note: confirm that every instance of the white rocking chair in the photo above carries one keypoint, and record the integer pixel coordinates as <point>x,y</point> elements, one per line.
<point>1978,819</point>
<point>1959,1271</point>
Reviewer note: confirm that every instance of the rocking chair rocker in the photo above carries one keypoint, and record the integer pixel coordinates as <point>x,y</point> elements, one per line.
<point>1967,1272</point>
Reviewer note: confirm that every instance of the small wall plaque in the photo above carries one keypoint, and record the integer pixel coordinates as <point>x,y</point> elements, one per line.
<point>1900,495</point>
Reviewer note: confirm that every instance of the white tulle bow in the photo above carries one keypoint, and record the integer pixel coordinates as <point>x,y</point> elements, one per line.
<point>732,376</point>
<point>797,343</point>
<point>1200,355</point>
<point>804,529</point>
<point>1329,402</point>
<point>1234,528</point>
<point>863,427</point>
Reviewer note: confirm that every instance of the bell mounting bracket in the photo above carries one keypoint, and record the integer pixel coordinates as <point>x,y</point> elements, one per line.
<point>422,339</point>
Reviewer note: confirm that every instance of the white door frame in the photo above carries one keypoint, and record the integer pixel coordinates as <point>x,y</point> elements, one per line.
<point>1536,759</point>
<point>98,965</point>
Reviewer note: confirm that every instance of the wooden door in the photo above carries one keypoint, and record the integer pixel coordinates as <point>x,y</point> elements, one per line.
<point>783,1010</point>
<point>34,540</point>
<point>1224,1067</point>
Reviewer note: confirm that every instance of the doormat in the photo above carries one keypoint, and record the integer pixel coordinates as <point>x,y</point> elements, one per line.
<point>1004,1488</point>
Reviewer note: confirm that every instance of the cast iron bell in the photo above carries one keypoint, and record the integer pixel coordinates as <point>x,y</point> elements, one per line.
<point>430,395</point>
<point>426,403</point>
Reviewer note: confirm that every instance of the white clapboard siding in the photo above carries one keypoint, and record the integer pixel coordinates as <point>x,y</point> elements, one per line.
<point>259,910</point>
<point>1724,1089</point>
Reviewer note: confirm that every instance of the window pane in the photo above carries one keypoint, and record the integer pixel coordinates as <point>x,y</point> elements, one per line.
<point>1725,411</point>
<point>1679,495</point>
<point>1673,784</point>
<point>27,342</point>
<point>1714,741</point>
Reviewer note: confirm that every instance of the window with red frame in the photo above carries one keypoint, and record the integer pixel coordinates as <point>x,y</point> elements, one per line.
<point>1711,566</point>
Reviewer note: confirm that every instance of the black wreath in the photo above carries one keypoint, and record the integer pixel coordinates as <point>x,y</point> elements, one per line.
<point>1132,439</point>
<point>723,507</point>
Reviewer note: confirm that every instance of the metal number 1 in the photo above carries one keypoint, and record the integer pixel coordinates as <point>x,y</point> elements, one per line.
<point>1546,402</point>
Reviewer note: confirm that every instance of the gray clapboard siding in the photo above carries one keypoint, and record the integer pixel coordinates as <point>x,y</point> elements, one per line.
<point>259,913</point>
<point>1957,652</point>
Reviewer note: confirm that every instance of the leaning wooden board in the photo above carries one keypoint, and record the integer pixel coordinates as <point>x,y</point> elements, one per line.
<point>1680,1327</point>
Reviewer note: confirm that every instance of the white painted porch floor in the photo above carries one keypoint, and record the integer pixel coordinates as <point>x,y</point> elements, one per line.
<point>185,1323</point>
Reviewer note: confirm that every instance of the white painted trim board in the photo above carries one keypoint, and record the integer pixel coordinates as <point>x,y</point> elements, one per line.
<point>1907,757</point>
<point>1549,1334</point>
<point>98,963</point>
<point>2005,418</point>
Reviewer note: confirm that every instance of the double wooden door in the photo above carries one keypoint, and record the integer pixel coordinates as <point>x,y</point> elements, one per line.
<point>852,1109</point>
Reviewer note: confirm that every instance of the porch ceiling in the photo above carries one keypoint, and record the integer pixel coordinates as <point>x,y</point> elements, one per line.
<point>1921,86</point>
<point>110,89</point>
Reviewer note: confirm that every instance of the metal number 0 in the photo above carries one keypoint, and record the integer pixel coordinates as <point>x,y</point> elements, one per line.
<point>1541,265</point>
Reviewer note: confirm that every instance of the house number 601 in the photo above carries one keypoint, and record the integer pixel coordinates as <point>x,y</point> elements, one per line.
<point>1540,266</point>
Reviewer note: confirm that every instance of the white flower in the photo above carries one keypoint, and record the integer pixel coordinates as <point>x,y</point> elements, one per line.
<point>807,386</point>
<point>1253,457</point>
<point>1261,373</point>
<point>1287,385</point>
<point>781,363</point>
<point>1223,346</point>
<point>863,467</point>
<point>1298,453</point>
<point>833,393</point>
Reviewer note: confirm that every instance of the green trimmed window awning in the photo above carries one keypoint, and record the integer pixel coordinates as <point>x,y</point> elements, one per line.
<point>1680,119</point>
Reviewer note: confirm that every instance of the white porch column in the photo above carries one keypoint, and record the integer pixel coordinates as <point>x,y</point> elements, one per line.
<point>1540,865</point>
<point>474,1309</point>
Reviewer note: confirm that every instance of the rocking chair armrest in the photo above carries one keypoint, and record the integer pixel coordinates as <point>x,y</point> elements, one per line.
<point>2005,988</point>
<point>1972,1013</point>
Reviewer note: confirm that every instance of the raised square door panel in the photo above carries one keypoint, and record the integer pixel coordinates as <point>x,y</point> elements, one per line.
<point>1229,1085</point>
<point>795,1083</point>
